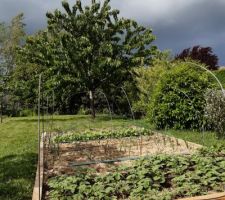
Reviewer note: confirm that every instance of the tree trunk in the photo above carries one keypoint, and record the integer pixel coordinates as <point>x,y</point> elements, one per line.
<point>92,103</point>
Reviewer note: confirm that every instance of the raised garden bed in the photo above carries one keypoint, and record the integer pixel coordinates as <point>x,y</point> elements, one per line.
<point>144,166</point>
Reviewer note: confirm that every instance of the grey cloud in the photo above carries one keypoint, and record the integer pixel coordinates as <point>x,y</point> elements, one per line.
<point>178,24</point>
<point>201,24</point>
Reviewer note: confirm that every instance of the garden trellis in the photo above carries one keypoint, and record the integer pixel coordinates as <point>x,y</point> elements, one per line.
<point>126,143</point>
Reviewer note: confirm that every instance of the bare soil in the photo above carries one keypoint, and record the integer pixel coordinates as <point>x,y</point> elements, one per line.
<point>60,160</point>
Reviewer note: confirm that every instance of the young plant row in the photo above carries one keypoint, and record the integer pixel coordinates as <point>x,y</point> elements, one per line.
<point>103,134</point>
<point>162,177</point>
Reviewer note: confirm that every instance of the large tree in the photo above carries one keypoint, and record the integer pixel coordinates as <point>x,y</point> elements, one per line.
<point>203,54</point>
<point>95,47</point>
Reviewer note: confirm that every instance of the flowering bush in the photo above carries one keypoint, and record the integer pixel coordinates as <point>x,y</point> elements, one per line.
<point>215,111</point>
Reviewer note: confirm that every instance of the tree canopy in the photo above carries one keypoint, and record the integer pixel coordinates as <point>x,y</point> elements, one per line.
<point>203,54</point>
<point>89,47</point>
<point>11,36</point>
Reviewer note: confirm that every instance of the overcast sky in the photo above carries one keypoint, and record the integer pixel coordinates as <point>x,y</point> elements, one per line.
<point>177,24</point>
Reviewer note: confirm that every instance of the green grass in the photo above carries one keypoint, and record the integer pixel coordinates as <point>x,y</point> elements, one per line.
<point>18,149</point>
<point>206,138</point>
<point>17,159</point>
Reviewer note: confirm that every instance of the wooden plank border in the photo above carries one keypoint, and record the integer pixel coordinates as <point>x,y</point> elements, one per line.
<point>36,184</point>
<point>215,196</point>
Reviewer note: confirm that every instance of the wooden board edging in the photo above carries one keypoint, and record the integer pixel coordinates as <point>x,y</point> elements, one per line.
<point>215,196</point>
<point>35,195</point>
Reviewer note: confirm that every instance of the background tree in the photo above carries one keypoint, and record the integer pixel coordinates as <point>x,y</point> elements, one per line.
<point>2,67</point>
<point>203,54</point>
<point>100,47</point>
<point>11,36</point>
<point>43,53</point>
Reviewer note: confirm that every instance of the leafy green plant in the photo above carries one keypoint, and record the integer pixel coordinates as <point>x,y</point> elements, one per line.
<point>158,177</point>
<point>102,134</point>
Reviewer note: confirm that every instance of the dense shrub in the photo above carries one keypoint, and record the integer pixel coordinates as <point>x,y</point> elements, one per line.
<point>215,111</point>
<point>178,99</point>
<point>27,113</point>
<point>146,80</point>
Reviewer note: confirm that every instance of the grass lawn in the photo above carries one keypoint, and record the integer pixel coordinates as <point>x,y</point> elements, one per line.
<point>206,138</point>
<point>17,158</point>
<point>18,147</point>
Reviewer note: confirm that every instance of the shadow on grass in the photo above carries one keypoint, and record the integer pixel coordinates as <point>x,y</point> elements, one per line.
<point>17,174</point>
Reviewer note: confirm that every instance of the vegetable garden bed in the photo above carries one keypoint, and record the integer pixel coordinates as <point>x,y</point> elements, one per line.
<point>107,164</point>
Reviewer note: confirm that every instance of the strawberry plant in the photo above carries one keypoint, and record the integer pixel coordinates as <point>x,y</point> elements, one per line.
<point>159,177</point>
